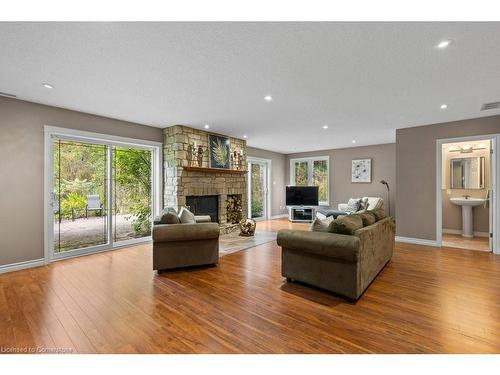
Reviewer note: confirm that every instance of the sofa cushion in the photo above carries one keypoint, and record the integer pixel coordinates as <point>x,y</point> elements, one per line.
<point>186,216</point>
<point>353,205</point>
<point>363,205</point>
<point>169,216</point>
<point>322,225</point>
<point>367,217</point>
<point>379,213</point>
<point>347,224</point>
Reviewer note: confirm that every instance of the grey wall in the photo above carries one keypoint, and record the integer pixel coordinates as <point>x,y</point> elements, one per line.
<point>21,168</point>
<point>416,171</point>
<point>341,188</point>
<point>277,178</point>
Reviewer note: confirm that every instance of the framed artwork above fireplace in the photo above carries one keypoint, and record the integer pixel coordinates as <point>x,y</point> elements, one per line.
<point>219,151</point>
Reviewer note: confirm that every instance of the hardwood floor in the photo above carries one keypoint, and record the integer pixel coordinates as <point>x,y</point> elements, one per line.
<point>426,300</point>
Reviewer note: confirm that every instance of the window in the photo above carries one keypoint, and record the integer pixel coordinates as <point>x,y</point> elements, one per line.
<point>312,172</point>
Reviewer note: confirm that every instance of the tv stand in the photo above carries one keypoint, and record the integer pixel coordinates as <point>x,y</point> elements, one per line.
<point>301,214</point>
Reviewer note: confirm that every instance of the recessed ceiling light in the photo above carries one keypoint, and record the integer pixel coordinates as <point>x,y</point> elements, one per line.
<point>443,106</point>
<point>353,141</point>
<point>325,126</point>
<point>206,126</point>
<point>268,98</point>
<point>443,44</point>
<point>47,85</point>
<point>245,136</point>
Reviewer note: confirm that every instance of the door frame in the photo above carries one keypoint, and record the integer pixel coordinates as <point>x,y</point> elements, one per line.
<point>495,182</point>
<point>51,132</point>
<point>267,163</point>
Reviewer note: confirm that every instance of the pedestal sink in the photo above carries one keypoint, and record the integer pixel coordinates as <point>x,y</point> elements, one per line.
<point>467,204</point>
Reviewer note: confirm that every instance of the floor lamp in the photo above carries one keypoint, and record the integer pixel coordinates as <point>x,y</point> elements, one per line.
<point>384,182</point>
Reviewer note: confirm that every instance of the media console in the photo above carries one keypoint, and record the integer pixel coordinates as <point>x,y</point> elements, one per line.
<point>302,214</point>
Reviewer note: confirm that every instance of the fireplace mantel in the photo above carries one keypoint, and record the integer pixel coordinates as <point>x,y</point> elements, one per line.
<point>214,170</point>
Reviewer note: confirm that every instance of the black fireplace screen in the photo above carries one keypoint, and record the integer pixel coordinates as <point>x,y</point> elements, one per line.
<point>204,205</point>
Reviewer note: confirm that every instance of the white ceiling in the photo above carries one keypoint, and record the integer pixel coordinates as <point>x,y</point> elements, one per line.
<point>362,79</point>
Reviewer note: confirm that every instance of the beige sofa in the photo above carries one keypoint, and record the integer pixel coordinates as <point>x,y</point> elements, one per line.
<point>344,264</point>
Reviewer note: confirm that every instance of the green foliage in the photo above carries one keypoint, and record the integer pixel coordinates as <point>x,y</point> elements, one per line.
<point>72,204</point>
<point>80,170</point>
<point>257,191</point>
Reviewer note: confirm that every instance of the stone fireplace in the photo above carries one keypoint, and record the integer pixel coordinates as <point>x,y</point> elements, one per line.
<point>186,184</point>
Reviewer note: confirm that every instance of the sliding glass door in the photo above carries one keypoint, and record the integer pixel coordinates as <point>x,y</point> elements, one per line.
<point>80,195</point>
<point>101,194</point>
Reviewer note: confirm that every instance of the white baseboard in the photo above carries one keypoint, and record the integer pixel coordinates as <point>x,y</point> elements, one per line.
<point>458,231</point>
<point>22,265</point>
<point>279,216</point>
<point>417,241</point>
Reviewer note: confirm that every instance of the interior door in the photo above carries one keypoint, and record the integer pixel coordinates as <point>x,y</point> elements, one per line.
<point>257,192</point>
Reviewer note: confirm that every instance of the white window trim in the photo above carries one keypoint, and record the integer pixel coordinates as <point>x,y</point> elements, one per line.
<point>310,160</point>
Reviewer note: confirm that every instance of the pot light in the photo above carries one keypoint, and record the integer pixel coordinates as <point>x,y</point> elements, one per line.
<point>245,136</point>
<point>353,141</point>
<point>47,85</point>
<point>268,98</point>
<point>206,126</point>
<point>325,126</point>
<point>443,106</point>
<point>443,44</point>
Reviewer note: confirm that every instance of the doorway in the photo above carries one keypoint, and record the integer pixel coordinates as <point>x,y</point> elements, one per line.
<point>101,192</point>
<point>258,188</point>
<point>465,193</point>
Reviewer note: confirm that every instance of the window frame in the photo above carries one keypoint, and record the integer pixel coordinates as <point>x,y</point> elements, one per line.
<point>310,164</point>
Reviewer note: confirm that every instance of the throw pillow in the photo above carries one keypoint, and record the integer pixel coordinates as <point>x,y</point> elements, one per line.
<point>353,205</point>
<point>347,224</point>
<point>367,217</point>
<point>186,216</point>
<point>321,225</point>
<point>379,213</point>
<point>169,216</point>
<point>363,206</point>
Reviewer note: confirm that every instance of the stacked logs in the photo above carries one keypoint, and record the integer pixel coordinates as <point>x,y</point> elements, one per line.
<point>234,206</point>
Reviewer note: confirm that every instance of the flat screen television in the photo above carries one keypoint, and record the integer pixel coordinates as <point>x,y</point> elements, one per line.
<point>302,196</point>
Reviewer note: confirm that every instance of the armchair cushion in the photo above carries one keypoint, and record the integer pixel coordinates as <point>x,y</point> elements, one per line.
<point>169,216</point>
<point>353,205</point>
<point>185,232</point>
<point>322,225</point>
<point>186,216</point>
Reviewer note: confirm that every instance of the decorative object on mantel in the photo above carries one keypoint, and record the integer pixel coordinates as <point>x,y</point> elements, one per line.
<point>199,156</point>
<point>247,227</point>
<point>218,151</point>
<point>237,159</point>
<point>362,170</point>
<point>189,154</point>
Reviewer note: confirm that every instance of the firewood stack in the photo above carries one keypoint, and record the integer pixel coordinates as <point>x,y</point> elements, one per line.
<point>234,209</point>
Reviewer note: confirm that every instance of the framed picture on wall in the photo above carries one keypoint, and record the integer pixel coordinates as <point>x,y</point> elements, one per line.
<point>219,151</point>
<point>362,170</point>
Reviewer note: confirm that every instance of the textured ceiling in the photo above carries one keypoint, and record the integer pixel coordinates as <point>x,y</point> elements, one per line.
<point>362,79</point>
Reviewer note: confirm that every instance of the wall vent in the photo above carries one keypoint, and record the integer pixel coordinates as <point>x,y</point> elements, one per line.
<point>487,106</point>
<point>7,95</point>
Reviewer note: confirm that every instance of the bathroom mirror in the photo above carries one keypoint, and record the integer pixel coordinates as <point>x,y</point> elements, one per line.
<point>467,173</point>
